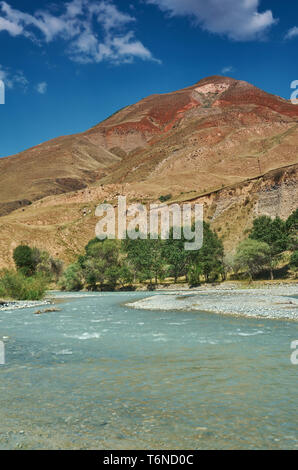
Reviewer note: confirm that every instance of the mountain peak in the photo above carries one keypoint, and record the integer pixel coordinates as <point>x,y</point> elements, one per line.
<point>203,136</point>
<point>216,79</point>
<point>214,84</point>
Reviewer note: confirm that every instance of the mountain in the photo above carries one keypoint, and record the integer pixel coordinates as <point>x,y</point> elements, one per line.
<point>58,166</point>
<point>208,139</point>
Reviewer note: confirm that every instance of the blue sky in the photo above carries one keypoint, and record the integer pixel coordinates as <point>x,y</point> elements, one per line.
<point>68,65</point>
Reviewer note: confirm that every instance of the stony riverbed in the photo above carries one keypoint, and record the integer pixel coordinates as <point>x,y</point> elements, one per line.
<point>276,302</point>
<point>15,305</point>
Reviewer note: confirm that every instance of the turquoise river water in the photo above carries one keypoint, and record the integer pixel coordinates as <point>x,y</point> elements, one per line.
<point>100,375</point>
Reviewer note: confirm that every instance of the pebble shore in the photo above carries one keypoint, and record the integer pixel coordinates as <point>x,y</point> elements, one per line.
<point>274,302</point>
<point>15,305</point>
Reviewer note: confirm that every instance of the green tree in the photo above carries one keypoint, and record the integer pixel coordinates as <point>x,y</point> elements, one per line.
<point>56,268</point>
<point>125,275</point>
<point>46,264</point>
<point>228,265</point>
<point>176,257</point>
<point>146,258</point>
<point>194,274</point>
<point>252,257</point>
<point>72,279</point>
<point>94,272</point>
<point>112,275</point>
<point>101,263</point>
<point>274,233</point>
<point>25,260</point>
<point>292,229</point>
<point>209,258</point>
<point>30,261</point>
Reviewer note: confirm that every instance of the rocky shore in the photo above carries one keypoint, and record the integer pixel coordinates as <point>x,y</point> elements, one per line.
<point>274,302</point>
<point>19,304</point>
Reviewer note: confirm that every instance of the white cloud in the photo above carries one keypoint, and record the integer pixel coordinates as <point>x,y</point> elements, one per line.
<point>240,20</point>
<point>42,88</point>
<point>12,28</point>
<point>13,79</point>
<point>227,69</point>
<point>78,25</point>
<point>292,33</point>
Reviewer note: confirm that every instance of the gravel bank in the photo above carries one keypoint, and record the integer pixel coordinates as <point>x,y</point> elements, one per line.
<point>15,305</point>
<point>276,302</point>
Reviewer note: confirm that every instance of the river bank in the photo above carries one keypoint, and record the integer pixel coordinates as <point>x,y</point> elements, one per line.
<point>270,301</point>
<point>21,304</point>
<point>183,297</point>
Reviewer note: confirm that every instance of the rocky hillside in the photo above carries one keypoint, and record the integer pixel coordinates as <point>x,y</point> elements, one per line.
<point>222,142</point>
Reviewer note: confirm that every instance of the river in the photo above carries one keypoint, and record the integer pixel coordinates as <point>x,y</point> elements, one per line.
<point>101,375</point>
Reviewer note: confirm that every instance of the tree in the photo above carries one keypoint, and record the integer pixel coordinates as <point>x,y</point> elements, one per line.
<point>56,268</point>
<point>228,265</point>
<point>146,258</point>
<point>72,279</point>
<point>176,257</point>
<point>274,233</point>
<point>50,267</point>
<point>194,274</point>
<point>210,257</point>
<point>101,263</point>
<point>292,230</point>
<point>93,270</point>
<point>252,256</point>
<point>24,260</point>
<point>125,275</point>
<point>30,261</point>
<point>112,276</point>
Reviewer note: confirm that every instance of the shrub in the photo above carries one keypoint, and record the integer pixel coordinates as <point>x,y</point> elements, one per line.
<point>14,285</point>
<point>294,261</point>
<point>165,198</point>
<point>50,267</point>
<point>30,261</point>
<point>72,279</point>
<point>252,257</point>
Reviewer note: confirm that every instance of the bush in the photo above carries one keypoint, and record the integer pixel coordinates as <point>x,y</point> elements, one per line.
<point>294,261</point>
<point>165,198</point>
<point>252,257</point>
<point>30,261</point>
<point>72,279</point>
<point>50,267</point>
<point>14,285</point>
<point>194,275</point>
